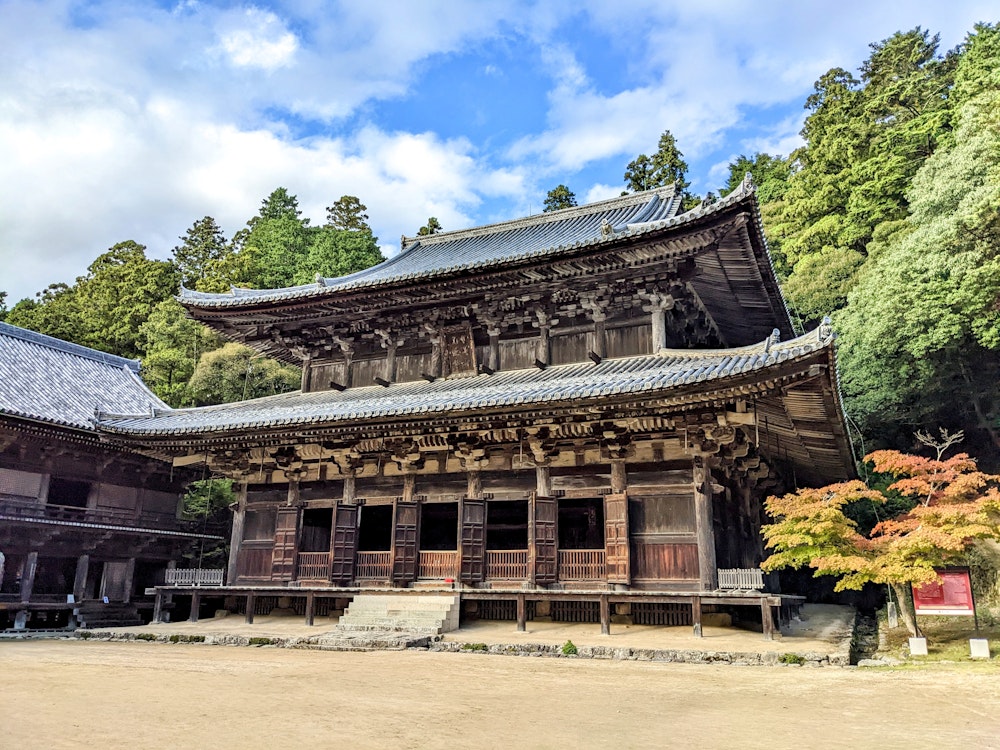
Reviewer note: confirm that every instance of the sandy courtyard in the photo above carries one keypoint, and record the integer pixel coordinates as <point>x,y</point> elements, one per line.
<point>72,694</point>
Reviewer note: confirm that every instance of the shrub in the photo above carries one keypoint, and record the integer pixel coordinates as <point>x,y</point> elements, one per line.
<point>256,641</point>
<point>474,647</point>
<point>145,637</point>
<point>792,659</point>
<point>569,649</point>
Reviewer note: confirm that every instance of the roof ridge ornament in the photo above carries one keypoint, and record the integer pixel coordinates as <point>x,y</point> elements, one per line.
<point>825,330</point>
<point>747,185</point>
<point>773,340</point>
<point>320,281</point>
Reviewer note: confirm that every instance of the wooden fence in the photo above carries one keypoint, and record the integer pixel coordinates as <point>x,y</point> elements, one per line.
<point>750,579</point>
<point>376,565</point>
<point>507,565</point>
<point>194,577</point>
<point>314,566</point>
<point>438,565</point>
<point>581,565</point>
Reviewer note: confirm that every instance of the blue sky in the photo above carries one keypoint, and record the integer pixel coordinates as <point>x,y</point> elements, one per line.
<point>124,120</point>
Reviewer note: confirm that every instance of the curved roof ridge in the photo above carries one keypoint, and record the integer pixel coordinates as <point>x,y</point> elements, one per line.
<point>547,217</point>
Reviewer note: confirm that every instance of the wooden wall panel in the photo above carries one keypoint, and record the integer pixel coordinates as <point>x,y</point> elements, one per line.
<point>518,354</point>
<point>664,562</point>
<point>116,496</point>
<point>630,341</point>
<point>259,525</point>
<point>570,348</point>
<point>662,514</point>
<point>20,484</point>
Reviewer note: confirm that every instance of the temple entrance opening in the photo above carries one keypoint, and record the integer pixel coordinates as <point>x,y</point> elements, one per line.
<point>507,525</point>
<point>316,527</point>
<point>438,526</point>
<point>375,528</point>
<point>581,524</point>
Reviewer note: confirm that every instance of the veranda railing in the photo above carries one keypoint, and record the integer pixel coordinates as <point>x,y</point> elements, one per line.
<point>507,564</point>
<point>581,565</point>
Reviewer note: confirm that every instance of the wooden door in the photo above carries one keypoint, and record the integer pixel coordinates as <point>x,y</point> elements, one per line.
<point>343,544</point>
<point>543,551</point>
<point>404,542</point>
<point>616,541</point>
<point>473,541</point>
<point>113,581</point>
<point>286,544</point>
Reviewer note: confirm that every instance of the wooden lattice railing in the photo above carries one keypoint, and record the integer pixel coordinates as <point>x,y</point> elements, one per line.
<point>581,565</point>
<point>194,577</point>
<point>750,579</point>
<point>314,566</point>
<point>373,565</point>
<point>438,565</point>
<point>507,564</point>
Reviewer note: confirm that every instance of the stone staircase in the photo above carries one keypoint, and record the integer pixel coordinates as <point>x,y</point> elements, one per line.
<point>97,614</point>
<point>425,614</point>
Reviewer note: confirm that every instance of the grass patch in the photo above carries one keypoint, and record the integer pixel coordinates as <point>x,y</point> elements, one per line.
<point>792,659</point>
<point>145,637</point>
<point>85,634</point>
<point>177,638</point>
<point>569,649</point>
<point>258,641</point>
<point>474,647</point>
<point>947,639</point>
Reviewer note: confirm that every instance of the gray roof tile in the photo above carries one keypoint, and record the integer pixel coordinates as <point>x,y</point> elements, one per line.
<point>44,378</point>
<point>663,371</point>
<point>488,246</point>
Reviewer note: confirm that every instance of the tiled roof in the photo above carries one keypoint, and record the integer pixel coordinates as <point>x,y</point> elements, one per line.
<point>44,378</point>
<point>536,236</point>
<point>651,374</point>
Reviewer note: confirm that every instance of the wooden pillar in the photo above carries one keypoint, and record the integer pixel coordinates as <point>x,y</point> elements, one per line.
<point>605,615</point>
<point>543,483</point>
<point>767,619</point>
<point>542,348</point>
<point>350,488</point>
<point>707,568</point>
<point>28,576</point>
<point>306,382</point>
<point>236,538</point>
<point>310,607</point>
<point>129,579</point>
<point>696,615</point>
<point>3,561</point>
<point>251,603</point>
<point>522,613</point>
<point>195,606</point>
<point>158,607</point>
<point>494,356</point>
<point>474,486</point>
<point>600,336</point>
<point>619,478</point>
<point>168,599</point>
<point>80,579</point>
<point>409,486</point>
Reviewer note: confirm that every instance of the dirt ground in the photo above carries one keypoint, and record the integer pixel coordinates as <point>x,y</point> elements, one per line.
<point>72,694</point>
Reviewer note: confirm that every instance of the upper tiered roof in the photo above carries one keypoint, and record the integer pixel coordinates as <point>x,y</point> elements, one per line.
<point>45,379</point>
<point>466,250</point>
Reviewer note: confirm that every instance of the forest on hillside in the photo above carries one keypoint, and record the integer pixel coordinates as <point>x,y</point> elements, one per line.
<point>887,218</point>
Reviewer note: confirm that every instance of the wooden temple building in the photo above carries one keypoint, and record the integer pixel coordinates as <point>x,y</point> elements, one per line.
<point>85,526</point>
<point>575,414</point>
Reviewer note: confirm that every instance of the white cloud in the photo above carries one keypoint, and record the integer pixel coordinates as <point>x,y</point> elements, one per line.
<point>260,40</point>
<point>602,192</point>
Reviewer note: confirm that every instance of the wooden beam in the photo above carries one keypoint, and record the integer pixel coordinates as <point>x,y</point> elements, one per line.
<point>251,603</point>
<point>236,539</point>
<point>80,579</point>
<point>707,567</point>
<point>696,615</point>
<point>522,614</point>
<point>28,576</point>
<point>605,615</point>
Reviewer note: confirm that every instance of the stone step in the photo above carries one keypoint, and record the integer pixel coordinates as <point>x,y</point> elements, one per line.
<point>396,613</point>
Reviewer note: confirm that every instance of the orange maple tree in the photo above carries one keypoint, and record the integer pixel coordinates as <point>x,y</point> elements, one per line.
<point>954,504</point>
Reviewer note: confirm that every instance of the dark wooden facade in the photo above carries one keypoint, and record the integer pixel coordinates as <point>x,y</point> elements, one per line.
<point>595,408</point>
<point>81,521</point>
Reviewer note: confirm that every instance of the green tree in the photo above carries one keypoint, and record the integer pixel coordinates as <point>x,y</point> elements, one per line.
<point>3,305</point>
<point>172,344</point>
<point>433,226</point>
<point>55,311</point>
<point>865,139</point>
<point>348,213</point>
<point>921,333</point>
<point>559,197</point>
<point>235,373</point>
<point>280,204</point>
<point>770,175</point>
<point>665,167</point>
<point>118,294</point>
<point>337,252</point>
<point>202,245</point>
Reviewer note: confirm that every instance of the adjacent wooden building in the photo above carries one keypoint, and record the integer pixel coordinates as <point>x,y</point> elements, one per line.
<point>85,526</point>
<point>590,400</point>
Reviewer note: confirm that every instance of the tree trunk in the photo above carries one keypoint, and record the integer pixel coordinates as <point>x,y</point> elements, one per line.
<point>904,601</point>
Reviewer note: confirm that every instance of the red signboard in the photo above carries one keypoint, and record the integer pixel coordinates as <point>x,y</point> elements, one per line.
<point>951,594</point>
